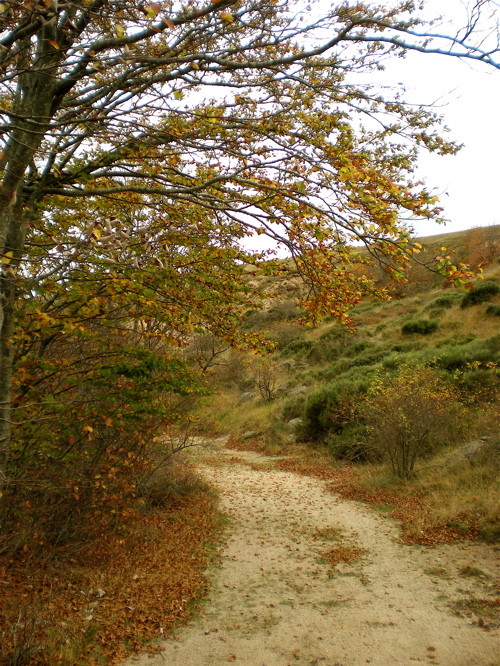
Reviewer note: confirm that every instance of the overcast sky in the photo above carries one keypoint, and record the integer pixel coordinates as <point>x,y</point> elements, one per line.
<point>468,96</point>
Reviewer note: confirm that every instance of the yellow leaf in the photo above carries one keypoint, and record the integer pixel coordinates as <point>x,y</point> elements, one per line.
<point>7,257</point>
<point>153,9</point>
<point>119,30</point>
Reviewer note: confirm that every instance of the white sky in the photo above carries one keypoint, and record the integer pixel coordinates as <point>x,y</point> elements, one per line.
<point>468,96</point>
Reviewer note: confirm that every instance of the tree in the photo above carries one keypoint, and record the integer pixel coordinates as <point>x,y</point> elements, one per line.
<point>410,415</point>
<point>207,351</point>
<point>231,117</point>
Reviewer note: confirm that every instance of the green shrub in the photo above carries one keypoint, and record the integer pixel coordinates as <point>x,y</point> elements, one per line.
<point>331,408</point>
<point>481,293</point>
<point>278,436</point>
<point>293,408</point>
<point>410,416</point>
<point>419,327</point>
<point>460,356</point>
<point>333,370</point>
<point>445,301</point>
<point>351,444</point>
<point>360,347</point>
<point>408,346</point>
<point>393,361</point>
<point>330,345</point>
<point>282,311</point>
<point>493,310</point>
<point>297,348</point>
<point>371,356</point>
<point>480,383</point>
<point>436,312</point>
<point>460,339</point>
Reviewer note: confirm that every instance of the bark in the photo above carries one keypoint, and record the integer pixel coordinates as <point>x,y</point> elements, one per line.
<point>14,243</point>
<point>33,107</point>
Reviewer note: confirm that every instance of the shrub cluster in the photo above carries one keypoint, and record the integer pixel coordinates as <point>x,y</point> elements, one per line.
<point>481,293</point>
<point>419,327</point>
<point>493,310</point>
<point>333,408</point>
<point>445,301</point>
<point>410,415</point>
<point>297,348</point>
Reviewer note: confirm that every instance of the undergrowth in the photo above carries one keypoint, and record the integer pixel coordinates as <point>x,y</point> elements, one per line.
<point>119,595</point>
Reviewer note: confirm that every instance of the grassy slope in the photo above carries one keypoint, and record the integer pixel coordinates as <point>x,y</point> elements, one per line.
<point>446,503</point>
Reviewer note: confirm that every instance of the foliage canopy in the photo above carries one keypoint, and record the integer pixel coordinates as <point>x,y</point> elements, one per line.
<point>142,142</point>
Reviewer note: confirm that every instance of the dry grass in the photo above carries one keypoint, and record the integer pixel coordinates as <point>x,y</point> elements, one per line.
<point>226,414</point>
<point>438,506</point>
<point>465,321</point>
<point>328,533</point>
<point>487,610</point>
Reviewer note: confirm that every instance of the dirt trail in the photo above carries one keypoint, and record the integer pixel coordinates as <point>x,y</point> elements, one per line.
<point>275,602</point>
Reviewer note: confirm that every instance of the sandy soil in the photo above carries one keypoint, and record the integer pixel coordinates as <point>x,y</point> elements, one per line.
<point>275,601</point>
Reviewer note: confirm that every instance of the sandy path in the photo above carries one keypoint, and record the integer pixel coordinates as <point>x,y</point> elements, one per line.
<point>274,602</point>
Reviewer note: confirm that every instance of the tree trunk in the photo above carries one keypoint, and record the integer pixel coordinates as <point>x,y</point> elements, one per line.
<point>33,109</point>
<point>12,251</point>
<point>8,297</point>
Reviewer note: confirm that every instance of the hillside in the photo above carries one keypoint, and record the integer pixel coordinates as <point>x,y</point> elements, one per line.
<point>325,387</point>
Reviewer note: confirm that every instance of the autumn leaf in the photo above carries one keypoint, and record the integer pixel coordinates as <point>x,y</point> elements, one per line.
<point>153,9</point>
<point>6,258</point>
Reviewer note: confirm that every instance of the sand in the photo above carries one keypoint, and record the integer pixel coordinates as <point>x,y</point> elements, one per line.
<point>275,600</point>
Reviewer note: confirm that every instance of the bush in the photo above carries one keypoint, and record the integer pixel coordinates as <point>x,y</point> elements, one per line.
<point>460,356</point>
<point>293,408</point>
<point>493,310</point>
<point>351,444</point>
<point>410,416</point>
<point>419,327</point>
<point>280,311</point>
<point>297,348</point>
<point>481,293</point>
<point>330,345</point>
<point>332,408</point>
<point>370,357</point>
<point>445,301</point>
<point>169,482</point>
<point>407,346</point>
<point>456,340</point>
